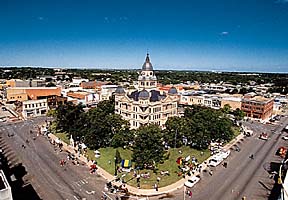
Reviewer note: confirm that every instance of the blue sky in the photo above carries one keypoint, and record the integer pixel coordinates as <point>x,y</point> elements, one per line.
<point>233,35</point>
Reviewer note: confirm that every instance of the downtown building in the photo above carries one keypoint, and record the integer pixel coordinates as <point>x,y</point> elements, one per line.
<point>146,104</point>
<point>257,107</point>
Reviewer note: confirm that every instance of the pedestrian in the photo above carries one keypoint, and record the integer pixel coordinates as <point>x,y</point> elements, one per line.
<point>156,187</point>
<point>211,172</point>
<point>158,179</point>
<point>190,194</point>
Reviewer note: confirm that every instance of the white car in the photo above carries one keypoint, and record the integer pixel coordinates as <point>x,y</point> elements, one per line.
<point>224,154</point>
<point>215,160</point>
<point>192,181</point>
<point>285,137</point>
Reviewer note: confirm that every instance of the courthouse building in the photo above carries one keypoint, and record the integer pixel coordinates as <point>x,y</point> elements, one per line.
<point>147,104</point>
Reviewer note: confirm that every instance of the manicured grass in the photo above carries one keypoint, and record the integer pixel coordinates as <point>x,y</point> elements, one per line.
<point>236,130</point>
<point>63,137</point>
<point>106,161</point>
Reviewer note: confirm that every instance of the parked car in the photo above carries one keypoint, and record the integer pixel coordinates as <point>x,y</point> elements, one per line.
<point>285,137</point>
<point>192,181</point>
<point>248,133</point>
<point>215,160</point>
<point>281,152</point>
<point>263,136</point>
<point>225,154</point>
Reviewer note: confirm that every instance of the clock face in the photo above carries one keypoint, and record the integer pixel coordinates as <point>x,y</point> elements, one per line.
<point>143,73</point>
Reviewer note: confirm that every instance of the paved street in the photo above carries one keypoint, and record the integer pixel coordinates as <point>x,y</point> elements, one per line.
<point>243,176</point>
<point>41,160</point>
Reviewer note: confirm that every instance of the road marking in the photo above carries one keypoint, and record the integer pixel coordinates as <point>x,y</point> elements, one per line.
<point>91,192</point>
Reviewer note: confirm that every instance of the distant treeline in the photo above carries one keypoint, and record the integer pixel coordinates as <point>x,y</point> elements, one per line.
<point>280,81</point>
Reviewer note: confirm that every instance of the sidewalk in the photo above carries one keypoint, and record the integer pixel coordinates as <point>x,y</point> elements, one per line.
<point>145,192</point>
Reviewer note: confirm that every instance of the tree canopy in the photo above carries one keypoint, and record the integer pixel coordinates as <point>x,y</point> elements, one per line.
<point>198,127</point>
<point>148,149</point>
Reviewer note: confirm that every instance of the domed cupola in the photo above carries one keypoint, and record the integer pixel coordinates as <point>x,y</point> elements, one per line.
<point>144,95</point>
<point>172,91</point>
<point>147,79</point>
<point>147,66</point>
<point>120,90</point>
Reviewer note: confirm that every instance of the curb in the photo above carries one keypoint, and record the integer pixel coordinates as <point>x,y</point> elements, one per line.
<point>144,192</point>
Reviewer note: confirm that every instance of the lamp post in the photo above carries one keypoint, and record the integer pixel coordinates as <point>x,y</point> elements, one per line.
<point>115,163</point>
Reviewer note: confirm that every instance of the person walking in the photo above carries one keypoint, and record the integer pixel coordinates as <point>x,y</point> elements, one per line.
<point>211,173</point>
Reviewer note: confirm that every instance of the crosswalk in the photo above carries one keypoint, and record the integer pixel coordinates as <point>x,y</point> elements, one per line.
<point>81,182</point>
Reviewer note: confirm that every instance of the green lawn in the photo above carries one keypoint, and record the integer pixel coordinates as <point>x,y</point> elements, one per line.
<point>63,137</point>
<point>106,161</point>
<point>236,131</point>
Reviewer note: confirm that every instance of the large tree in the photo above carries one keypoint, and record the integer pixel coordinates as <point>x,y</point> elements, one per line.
<point>70,118</point>
<point>176,127</point>
<point>239,114</point>
<point>207,125</point>
<point>148,148</point>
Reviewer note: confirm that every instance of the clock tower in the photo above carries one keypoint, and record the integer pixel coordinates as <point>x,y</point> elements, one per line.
<point>147,79</point>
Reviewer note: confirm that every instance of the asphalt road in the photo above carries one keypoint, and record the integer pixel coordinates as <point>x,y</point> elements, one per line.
<point>41,160</point>
<point>243,176</point>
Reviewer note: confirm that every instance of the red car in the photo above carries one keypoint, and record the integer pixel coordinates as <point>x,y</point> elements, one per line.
<point>263,136</point>
<point>282,152</point>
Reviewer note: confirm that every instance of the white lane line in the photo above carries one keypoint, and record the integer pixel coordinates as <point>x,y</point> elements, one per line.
<point>75,198</point>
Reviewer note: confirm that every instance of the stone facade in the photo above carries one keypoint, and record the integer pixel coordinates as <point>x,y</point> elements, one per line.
<point>146,105</point>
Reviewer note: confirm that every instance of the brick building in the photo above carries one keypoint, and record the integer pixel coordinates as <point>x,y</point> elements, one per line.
<point>257,107</point>
<point>31,93</point>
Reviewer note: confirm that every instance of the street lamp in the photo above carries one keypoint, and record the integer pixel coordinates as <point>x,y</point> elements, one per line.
<point>115,162</point>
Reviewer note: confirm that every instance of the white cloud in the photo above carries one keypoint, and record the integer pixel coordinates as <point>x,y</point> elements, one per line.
<point>224,33</point>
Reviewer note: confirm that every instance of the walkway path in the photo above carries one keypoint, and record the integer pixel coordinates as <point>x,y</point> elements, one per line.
<point>144,192</point>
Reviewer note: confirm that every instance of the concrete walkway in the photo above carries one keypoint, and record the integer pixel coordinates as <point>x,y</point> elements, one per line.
<point>144,192</point>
